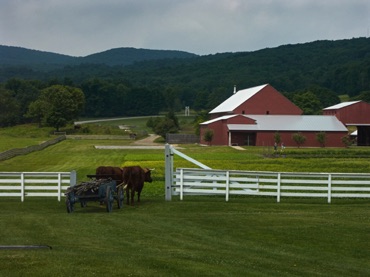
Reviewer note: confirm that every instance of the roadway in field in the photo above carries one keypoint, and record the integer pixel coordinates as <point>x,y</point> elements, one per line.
<point>146,143</point>
<point>111,119</point>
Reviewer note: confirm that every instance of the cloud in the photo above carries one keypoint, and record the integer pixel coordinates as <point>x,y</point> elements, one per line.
<point>82,27</point>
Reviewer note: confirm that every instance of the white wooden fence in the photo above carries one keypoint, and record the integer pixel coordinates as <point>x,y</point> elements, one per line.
<point>44,184</point>
<point>277,184</point>
<point>207,181</point>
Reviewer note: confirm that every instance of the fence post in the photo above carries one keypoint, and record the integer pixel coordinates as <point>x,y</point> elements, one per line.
<point>329,188</point>
<point>59,186</point>
<point>168,171</point>
<point>227,185</point>
<point>73,178</point>
<point>22,187</point>
<point>278,187</point>
<point>181,184</point>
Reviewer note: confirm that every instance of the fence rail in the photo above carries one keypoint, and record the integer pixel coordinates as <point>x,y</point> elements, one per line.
<point>29,149</point>
<point>28,184</point>
<point>193,181</point>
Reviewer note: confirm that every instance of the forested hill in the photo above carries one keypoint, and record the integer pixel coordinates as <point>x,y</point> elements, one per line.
<point>312,75</point>
<point>18,56</point>
<point>342,66</point>
<point>127,56</point>
<point>45,61</point>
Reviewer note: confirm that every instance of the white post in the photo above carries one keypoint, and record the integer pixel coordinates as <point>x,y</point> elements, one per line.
<point>59,186</point>
<point>227,185</point>
<point>329,189</point>
<point>229,138</point>
<point>73,178</point>
<point>278,187</point>
<point>22,187</point>
<point>181,184</point>
<point>168,172</point>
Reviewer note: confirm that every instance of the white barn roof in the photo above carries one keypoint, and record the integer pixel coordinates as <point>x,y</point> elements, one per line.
<point>218,118</point>
<point>341,105</point>
<point>293,123</point>
<point>236,99</point>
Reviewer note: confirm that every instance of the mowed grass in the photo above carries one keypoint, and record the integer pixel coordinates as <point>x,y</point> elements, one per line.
<point>200,236</point>
<point>23,136</point>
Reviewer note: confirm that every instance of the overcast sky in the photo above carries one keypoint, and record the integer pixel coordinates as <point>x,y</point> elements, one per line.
<point>83,27</point>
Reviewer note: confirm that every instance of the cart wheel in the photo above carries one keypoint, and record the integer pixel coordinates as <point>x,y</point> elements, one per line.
<point>120,198</point>
<point>69,205</point>
<point>109,199</point>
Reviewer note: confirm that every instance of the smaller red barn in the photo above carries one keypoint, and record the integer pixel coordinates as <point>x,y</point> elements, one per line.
<point>355,113</point>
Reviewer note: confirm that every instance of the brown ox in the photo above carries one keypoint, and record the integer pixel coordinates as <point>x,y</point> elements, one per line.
<point>134,178</point>
<point>109,172</point>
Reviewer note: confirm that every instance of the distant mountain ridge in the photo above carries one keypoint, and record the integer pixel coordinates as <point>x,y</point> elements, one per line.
<point>342,66</point>
<point>19,56</point>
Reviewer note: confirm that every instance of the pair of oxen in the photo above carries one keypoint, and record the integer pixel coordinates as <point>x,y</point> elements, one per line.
<point>132,177</point>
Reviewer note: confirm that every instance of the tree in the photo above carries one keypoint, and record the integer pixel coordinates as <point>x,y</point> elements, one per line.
<point>308,102</point>
<point>171,115</point>
<point>36,111</point>
<point>24,92</point>
<point>346,140</point>
<point>277,137</point>
<point>208,136</point>
<point>9,109</point>
<point>202,116</point>
<point>299,139</point>
<point>321,138</point>
<point>364,96</point>
<point>165,125</point>
<point>57,105</point>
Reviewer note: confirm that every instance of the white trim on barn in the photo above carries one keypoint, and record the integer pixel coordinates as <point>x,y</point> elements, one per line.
<point>236,99</point>
<point>341,105</point>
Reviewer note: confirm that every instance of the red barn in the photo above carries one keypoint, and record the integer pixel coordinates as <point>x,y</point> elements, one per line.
<point>253,116</point>
<point>257,100</point>
<point>355,113</point>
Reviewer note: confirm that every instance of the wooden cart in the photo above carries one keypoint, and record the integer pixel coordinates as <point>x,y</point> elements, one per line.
<point>102,190</point>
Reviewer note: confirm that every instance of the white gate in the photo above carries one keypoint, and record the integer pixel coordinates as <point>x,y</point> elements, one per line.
<point>206,181</point>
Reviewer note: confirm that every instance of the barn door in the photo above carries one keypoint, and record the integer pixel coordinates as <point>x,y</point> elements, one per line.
<point>250,139</point>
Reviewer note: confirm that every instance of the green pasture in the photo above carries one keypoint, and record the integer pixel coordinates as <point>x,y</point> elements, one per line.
<point>23,136</point>
<point>200,236</point>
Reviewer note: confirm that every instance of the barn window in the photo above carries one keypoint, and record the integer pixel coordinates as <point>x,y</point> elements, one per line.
<point>267,112</point>
<point>243,112</point>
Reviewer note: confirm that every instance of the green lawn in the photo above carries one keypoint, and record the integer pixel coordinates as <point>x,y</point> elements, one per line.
<point>23,136</point>
<point>200,236</point>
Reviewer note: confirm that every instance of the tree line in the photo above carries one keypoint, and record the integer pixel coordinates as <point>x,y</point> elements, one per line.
<point>311,75</point>
<point>24,101</point>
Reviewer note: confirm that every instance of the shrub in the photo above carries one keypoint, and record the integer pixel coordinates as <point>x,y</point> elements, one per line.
<point>208,136</point>
<point>299,139</point>
<point>321,138</point>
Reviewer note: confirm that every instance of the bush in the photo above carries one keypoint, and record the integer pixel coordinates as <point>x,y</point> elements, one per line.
<point>299,139</point>
<point>208,136</point>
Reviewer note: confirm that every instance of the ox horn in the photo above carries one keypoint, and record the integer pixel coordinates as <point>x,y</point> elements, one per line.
<point>151,169</point>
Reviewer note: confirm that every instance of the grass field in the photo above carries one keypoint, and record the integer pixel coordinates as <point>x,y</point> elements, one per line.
<point>201,236</point>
